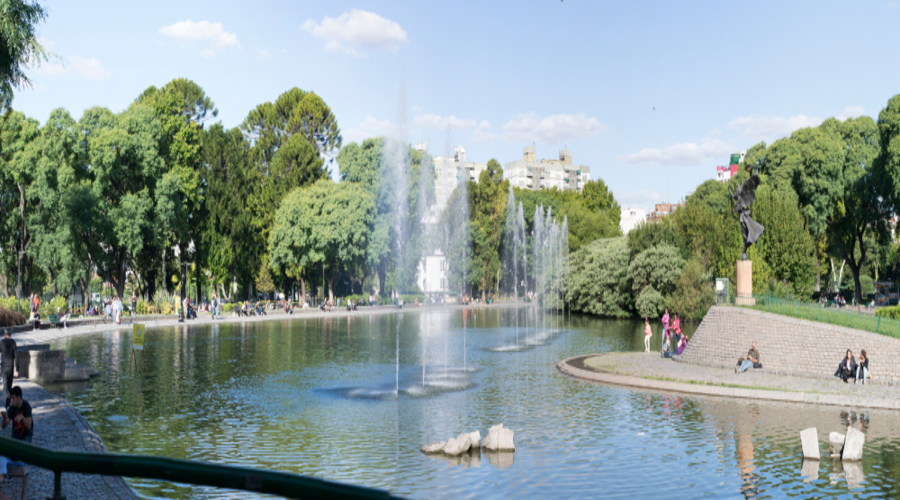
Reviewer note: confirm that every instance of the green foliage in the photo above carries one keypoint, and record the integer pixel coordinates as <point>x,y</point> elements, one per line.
<point>165,302</point>
<point>658,267</point>
<point>892,312</point>
<point>21,47</point>
<point>585,225</point>
<point>779,289</point>
<point>264,281</point>
<point>692,296</point>
<point>487,220</point>
<point>649,303</point>
<point>599,279</point>
<point>647,235</point>
<point>596,197</point>
<point>52,306</point>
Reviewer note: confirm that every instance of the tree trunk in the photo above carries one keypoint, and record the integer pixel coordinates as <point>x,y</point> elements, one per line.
<point>381,275</point>
<point>4,281</point>
<point>330,280</point>
<point>165,287</point>
<point>302,288</point>
<point>120,279</point>
<point>182,270</point>
<point>199,289</point>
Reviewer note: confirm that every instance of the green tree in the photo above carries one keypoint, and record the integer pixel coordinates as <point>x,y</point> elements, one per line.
<point>327,224</point>
<point>599,274</point>
<point>488,219</point>
<point>495,171</point>
<point>597,197</point>
<point>20,48</point>
<point>693,295</point>
<point>264,282</point>
<point>652,274</point>
<point>17,174</point>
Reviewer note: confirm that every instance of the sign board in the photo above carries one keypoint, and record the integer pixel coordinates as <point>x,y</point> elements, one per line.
<point>137,337</point>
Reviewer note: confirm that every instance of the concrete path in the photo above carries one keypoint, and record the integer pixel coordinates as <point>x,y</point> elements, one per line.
<point>58,426</point>
<point>650,371</point>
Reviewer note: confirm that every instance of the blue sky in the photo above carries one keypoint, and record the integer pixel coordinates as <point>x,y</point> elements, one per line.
<point>498,76</point>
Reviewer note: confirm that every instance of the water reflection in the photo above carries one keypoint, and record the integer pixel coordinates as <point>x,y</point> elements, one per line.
<point>277,395</point>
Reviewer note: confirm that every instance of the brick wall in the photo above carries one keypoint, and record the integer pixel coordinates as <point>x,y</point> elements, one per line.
<point>788,346</point>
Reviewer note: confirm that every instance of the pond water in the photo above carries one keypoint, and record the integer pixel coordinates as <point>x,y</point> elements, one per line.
<point>320,397</point>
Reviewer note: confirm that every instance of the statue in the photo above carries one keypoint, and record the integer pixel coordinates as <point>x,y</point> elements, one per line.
<point>743,197</point>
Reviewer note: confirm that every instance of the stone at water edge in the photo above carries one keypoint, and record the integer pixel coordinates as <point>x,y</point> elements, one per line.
<point>809,439</point>
<point>434,447</point>
<point>458,445</point>
<point>837,443</point>
<point>499,438</point>
<point>475,439</point>
<point>853,444</point>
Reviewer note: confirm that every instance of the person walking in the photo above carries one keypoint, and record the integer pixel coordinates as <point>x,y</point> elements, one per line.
<point>215,306</point>
<point>648,332</point>
<point>8,360</point>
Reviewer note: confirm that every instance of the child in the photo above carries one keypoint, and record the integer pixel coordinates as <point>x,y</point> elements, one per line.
<point>647,334</point>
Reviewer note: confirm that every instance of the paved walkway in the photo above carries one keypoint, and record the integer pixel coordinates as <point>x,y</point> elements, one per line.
<point>58,426</point>
<point>650,371</point>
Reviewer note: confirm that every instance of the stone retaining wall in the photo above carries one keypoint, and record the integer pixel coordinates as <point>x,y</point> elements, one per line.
<point>788,346</point>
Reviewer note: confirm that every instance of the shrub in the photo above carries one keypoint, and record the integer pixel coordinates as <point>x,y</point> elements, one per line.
<point>693,296</point>
<point>889,312</point>
<point>649,303</point>
<point>165,302</point>
<point>599,279</point>
<point>49,307</point>
<point>228,307</point>
<point>11,317</point>
<point>143,307</point>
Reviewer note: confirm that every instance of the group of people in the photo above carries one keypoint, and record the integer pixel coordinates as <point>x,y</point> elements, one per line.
<point>16,410</point>
<point>672,335</point>
<point>839,301</point>
<point>850,368</point>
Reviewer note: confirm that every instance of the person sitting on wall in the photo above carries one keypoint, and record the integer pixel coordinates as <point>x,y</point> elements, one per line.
<point>751,361</point>
<point>847,367</point>
<point>862,368</point>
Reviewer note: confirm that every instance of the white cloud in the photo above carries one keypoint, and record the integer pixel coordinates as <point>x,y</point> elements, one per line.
<point>356,30</point>
<point>438,122</point>
<point>190,32</point>
<point>90,69</point>
<point>529,127</point>
<point>264,53</point>
<point>681,154</point>
<point>757,128</point>
<point>483,133</point>
<point>370,127</point>
<point>851,112</point>
<point>715,132</point>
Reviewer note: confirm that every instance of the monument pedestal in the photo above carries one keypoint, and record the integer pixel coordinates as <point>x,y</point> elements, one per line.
<point>744,284</point>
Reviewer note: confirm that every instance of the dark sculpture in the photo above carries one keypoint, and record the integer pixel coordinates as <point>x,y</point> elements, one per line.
<point>743,197</point>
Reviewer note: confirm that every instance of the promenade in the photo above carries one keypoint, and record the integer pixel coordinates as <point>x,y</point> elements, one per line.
<point>60,427</point>
<point>652,372</point>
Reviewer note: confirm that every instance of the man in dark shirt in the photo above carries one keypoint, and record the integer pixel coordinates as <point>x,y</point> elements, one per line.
<point>8,359</point>
<point>753,356</point>
<point>19,413</point>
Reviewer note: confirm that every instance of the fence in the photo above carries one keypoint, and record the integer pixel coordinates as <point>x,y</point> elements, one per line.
<point>813,311</point>
<point>183,471</point>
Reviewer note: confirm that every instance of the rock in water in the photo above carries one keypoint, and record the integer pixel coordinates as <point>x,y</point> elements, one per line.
<point>809,439</point>
<point>837,443</point>
<point>475,439</point>
<point>853,445</point>
<point>434,447</point>
<point>458,445</point>
<point>499,438</point>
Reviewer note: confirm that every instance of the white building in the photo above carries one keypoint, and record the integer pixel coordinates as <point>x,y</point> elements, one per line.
<point>449,171</point>
<point>631,217</point>
<point>560,173</point>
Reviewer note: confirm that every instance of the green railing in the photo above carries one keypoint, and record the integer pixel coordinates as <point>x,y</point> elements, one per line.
<point>181,471</point>
<point>813,311</point>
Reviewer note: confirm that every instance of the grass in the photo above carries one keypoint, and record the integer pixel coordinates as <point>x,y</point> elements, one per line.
<point>811,311</point>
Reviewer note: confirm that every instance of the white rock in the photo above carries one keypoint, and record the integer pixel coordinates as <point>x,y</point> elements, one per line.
<point>434,447</point>
<point>809,439</point>
<point>475,439</point>
<point>837,443</point>
<point>499,438</point>
<point>458,445</point>
<point>853,445</point>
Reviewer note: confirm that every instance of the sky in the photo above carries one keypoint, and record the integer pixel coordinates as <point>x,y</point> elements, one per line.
<point>652,96</point>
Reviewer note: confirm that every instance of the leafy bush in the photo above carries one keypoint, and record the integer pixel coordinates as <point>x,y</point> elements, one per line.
<point>649,303</point>
<point>11,317</point>
<point>693,296</point>
<point>10,303</point>
<point>49,307</point>
<point>165,302</point>
<point>227,308</point>
<point>599,278</point>
<point>889,312</point>
<point>143,307</point>
<point>659,267</point>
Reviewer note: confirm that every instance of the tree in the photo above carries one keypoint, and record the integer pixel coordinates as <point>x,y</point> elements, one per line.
<point>652,274</point>
<point>599,279</point>
<point>327,224</point>
<point>693,295</point>
<point>264,281</point>
<point>269,125</point>
<point>495,171</point>
<point>18,173</point>
<point>488,219</point>
<point>20,47</point>
<point>598,197</point>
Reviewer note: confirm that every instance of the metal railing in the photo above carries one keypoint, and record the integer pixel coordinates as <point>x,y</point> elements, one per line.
<point>182,471</point>
<point>813,311</point>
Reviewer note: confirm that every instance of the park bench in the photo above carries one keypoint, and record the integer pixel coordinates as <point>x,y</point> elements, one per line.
<point>54,321</point>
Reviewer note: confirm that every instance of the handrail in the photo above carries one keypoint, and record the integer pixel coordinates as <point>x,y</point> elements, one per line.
<point>182,471</point>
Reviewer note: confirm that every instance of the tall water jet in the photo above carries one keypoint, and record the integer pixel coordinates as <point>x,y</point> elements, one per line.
<point>520,222</point>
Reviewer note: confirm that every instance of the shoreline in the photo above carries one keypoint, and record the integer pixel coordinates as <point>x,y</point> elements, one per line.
<point>650,372</point>
<point>47,335</point>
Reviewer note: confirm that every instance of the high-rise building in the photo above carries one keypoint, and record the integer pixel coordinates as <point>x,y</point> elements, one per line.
<point>559,173</point>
